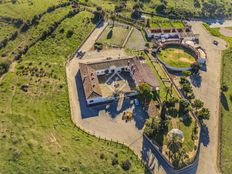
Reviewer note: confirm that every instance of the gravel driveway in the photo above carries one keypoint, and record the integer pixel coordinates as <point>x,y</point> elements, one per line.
<point>209,92</point>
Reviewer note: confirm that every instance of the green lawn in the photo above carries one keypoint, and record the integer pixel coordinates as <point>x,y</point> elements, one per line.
<point>176,57</point>
<point>177,24</point>
<point>115,36</point>
<point>226,104</point>
<point>154,25</point>
<point>165,24</point>
<point>36,131</point>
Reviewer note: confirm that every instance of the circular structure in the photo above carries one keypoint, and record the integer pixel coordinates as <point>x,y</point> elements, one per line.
<point>176,132</point>
<point>177,56</point>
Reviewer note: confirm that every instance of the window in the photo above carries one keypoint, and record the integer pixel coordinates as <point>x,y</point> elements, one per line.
<point>91,101</point>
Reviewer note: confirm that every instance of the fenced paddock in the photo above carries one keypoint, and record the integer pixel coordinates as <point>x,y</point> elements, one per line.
<point>114,34</point>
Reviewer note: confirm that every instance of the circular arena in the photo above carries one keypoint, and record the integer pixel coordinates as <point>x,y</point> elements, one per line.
<point>177,56</point>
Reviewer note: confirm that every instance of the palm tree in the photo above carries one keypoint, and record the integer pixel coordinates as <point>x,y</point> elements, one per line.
<point>174,144</point>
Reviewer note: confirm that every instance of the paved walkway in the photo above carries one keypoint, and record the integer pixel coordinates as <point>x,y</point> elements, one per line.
<point>209,92</point>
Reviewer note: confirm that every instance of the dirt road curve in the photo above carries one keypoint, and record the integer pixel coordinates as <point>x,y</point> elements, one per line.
<point>208,92</point>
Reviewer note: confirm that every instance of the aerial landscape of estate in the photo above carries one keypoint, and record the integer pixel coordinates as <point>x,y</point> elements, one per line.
<point>116,86</point>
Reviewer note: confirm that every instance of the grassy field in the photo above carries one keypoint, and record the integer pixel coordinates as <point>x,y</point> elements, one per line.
<point>136,40</point>
<point>115,36</point>
<point>36,131</point>
<point>26,9</point>
<point>226,104</point>
<point>34,32</point>
<point>176,57</point>
<point>6,29</point>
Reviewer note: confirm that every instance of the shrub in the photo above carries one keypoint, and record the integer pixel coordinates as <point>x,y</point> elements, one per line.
<point>61,30</point>
<point>102,156</point>
<point>69,33</point>
<point>4,66</point>
<point>224,88</point>
<point>24,28</point>
<point>186,73</point>
<point>126,165</point>
<point>114,162</point>
<point>50,9</point>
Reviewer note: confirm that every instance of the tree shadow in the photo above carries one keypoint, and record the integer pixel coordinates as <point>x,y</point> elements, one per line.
<point>224,102</point>
<point>205,139</point>
<point>196,80</point>
<point>139,116</point>
<point>149,155</point>
<point>204,68</point>
<point>109,34</point>
<point>187,120</point>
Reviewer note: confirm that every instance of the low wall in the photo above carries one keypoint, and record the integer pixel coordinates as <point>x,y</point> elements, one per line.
<point>167,166</point>
<point>195,52</point>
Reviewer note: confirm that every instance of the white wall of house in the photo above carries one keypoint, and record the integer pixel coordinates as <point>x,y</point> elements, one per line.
<point>112,69</point>
<point>99,100</point>
<point>150,34</point>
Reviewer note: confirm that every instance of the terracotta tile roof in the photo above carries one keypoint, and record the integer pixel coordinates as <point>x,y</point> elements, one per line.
<point>141,73</point>
<point>89,81</point>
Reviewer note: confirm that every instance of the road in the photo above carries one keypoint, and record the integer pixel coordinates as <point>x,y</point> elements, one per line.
<point>209,92</point>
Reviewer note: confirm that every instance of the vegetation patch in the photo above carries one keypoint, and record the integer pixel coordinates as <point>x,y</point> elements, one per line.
<point>114,35</point>
<point>35,124</point>
<point>176,56</point>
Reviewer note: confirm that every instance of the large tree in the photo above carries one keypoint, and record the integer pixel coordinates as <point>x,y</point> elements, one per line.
<point>144,93</point>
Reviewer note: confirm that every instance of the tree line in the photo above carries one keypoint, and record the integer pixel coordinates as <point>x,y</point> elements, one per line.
<point>25,25</point>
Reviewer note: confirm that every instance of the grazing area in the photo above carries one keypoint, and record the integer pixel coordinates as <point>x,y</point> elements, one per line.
<point>35,123</point>
<point>114,35</point>
<point>24,39</point>
<point>26,9</point>
<point>136,40</point>
<point>176,56</point>
<point>226,103</point>
<point>5,29</point>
